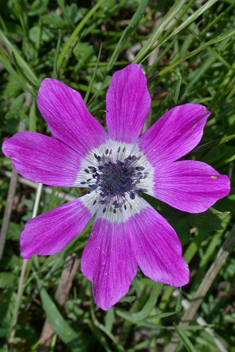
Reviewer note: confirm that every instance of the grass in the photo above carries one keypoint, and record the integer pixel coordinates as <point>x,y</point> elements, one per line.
<point>186,49</point>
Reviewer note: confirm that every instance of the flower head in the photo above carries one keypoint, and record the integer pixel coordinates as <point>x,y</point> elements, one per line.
<point>117,167</point>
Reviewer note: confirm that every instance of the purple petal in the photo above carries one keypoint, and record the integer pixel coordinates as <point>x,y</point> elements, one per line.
<point>157,248</point>
<point>128,104</point>
<point>175,134</point>
<point>188,185</point>
<point>108,261</point>
<point>68,117</point>
<point>43,159</point>
<point>49,233</point>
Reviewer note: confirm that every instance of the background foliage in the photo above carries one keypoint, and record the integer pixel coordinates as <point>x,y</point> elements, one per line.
<point>187,51</point>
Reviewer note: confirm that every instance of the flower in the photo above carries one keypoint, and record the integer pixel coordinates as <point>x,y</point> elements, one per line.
<point>117,167</point>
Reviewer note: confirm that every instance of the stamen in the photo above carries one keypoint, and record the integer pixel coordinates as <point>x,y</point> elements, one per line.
<point>92,168</point>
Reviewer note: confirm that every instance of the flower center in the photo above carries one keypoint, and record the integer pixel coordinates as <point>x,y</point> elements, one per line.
<point>116,178</point>
<point>116,182</point>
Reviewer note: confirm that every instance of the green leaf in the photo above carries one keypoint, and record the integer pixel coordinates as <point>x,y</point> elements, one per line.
<point>149,305</point>
<point>109,319</point>
<point>38,7</point>
<point>53,20</point>
<point>187,343</point>
<point>22,72</point>
<point>70,337</point>
<point>7,280</point>
<point>182,228</point>
<point>4,60</point>
<point>22,63</point>
<point>14,231</point>
<point>210,220</point>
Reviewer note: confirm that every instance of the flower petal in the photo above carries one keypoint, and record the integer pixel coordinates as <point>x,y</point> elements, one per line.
<point>157,247</point>
<point>128,103</point>
<point>43,159</point>
<point>175,134</point>
<point>49,233</point>
<point>68,117</point>
<point>107,260</point>
<point>189,185</point>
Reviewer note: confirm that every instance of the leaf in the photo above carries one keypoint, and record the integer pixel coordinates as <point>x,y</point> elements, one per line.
<point>14,231</point>
<point>7,280</point>
<point>38,7</point>
<point>53,20</point>
<point>149,305</point>
<point>187,343</point>
<point>182,228</point>
<point>22,63</point>
<point>70,337</point>
<point>109,319</point>
<point>23,74</point>
<point>5,61</point>
<point>210,220</point>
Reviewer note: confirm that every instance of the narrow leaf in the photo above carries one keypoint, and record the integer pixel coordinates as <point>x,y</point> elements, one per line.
<point>187,343</point>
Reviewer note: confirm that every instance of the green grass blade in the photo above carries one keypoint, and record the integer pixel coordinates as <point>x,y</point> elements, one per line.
<point>76,32</point>
<point>28,71</point>
<point>193,17</point>
<point>22,72</point>
<point>187,343</point>
<point>159,30</point>
<point>127,32</point>
<point>55,73</point>
<point>13,73</point>
<point>213,143</point>
<point>215,40</point>
<point>93,77</point>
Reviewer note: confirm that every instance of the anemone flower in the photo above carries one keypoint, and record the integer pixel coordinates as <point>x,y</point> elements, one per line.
<point>116,167</point>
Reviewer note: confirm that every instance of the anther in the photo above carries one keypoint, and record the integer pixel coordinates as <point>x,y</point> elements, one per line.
<point>92,168</point>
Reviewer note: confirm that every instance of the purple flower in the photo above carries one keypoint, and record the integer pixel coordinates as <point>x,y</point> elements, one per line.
<point>117,167</point>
